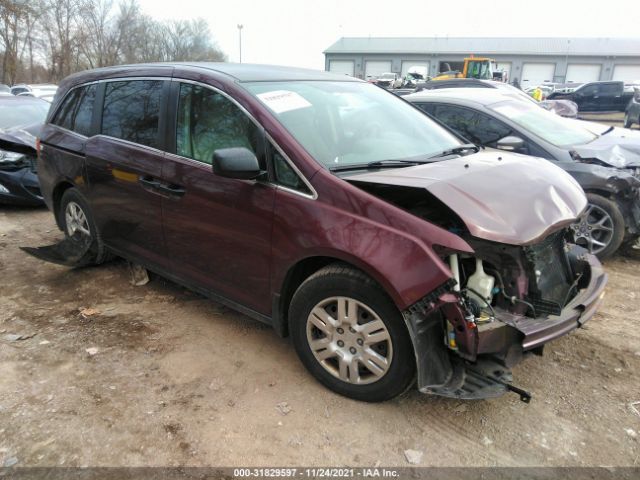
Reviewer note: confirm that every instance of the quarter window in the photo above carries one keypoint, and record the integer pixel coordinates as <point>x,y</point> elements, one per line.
<point>76,111</point>
<point>208,121</point>
<point>132,111</point>
<point>286,175</point>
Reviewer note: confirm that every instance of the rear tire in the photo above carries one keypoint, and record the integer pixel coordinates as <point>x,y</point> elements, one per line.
<point>76,219</point>
<point>601,229</point>
<point>351,336</point>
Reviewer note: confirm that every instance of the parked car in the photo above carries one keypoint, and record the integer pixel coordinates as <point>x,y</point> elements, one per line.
<point>632,114</point>
<point>564,108</point>
<point>597,97</point>
<point>35,90</point>
<point>606,165</point>
<point>20,122</point>
<point>5,89</point>
<point>326,207</point>
<point>389,80</point>
<point>43,95</point>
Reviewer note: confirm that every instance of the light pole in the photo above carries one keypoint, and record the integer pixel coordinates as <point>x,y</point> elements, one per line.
<point>240,39</point>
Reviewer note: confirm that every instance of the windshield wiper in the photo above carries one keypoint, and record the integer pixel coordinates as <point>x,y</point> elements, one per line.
<point>397,163</point>
<point>610,129</point>
<point>457,150</point>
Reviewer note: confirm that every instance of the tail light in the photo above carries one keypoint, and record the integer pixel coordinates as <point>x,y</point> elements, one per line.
<point>38,147</point>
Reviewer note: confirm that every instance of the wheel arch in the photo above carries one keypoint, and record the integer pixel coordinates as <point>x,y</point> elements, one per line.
<point>303,269</point>
<point>608,194</point>
<point>56,197</point>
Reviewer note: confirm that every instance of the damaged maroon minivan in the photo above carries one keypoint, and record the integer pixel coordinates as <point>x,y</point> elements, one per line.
<point>387,248</point>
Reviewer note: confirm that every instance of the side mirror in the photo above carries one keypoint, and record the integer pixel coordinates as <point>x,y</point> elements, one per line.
<point>510,143</point>
<point>238,162</point>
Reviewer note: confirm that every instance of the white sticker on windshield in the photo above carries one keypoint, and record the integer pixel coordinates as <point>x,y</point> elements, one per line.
<point>283,101</point>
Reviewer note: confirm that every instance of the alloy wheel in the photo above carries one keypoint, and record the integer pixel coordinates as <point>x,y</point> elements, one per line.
<point>349,340</point>
<point>76,220</point>
<point>594,230</point>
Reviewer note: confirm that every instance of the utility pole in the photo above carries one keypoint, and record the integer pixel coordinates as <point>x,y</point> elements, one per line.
<point>240,39</point>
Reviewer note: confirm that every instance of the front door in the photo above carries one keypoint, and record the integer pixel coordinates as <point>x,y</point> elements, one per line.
<point>588,98</point>
<point>124,165</point>
<point>218,230</point>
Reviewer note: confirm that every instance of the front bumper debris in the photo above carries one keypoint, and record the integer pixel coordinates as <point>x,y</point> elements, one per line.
<point>483,368</point>
<point>74,251</point>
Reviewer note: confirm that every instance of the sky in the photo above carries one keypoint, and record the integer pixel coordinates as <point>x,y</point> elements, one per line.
<point>296,32</point>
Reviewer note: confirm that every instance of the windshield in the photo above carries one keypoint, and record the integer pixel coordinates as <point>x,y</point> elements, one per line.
<point>547,125</point>
<point>17,113</point>
<point>479,69</point>
<point>352,123</point>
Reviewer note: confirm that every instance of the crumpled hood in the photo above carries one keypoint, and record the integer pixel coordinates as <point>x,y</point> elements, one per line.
<point>564,108</point>
<point>506,198</point>
<point>619,148</point>
<point>20,139</point>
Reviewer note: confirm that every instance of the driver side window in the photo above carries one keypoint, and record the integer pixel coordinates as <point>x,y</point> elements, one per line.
<point>589,90</point>
<point>208,121</point>
<point>476,126</point>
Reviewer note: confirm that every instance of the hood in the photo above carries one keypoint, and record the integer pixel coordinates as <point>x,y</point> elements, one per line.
<point>501,197</point>
<point>618,148</point>
<point>20,139</point>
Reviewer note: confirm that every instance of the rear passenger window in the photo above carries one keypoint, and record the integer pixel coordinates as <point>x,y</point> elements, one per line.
<point>208,121</point>
<point>76,110</point>
<point>610,89</point>
<point>425,107</point>
<point>132,110</point>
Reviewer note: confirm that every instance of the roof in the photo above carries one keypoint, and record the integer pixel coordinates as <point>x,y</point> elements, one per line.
<point>242,72</point>
<point>489,46</point>
<point>247,72</point>
<point>480,96</point>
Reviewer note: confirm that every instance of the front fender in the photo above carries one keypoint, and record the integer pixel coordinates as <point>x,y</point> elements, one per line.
<point>403,263</point>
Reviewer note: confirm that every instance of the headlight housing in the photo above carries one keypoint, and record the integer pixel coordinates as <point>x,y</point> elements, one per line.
<point>11,157</point>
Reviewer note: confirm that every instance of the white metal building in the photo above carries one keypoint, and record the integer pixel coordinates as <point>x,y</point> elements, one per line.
<point>529,60</point>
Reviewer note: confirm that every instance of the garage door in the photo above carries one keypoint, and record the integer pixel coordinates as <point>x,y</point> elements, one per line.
<point>407,64</point>
<point>375,69</point>
<point>583,73</point>
<point>626,73</point>
<point>344,67</point>
<point>534,74</point>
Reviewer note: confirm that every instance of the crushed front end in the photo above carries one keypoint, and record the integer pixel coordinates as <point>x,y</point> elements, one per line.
<point>503,303</point>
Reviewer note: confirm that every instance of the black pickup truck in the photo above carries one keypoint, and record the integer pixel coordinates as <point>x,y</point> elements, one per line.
<point>597,97</point>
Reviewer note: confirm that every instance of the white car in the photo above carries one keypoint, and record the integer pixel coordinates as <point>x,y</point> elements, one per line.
<point>45,91</point>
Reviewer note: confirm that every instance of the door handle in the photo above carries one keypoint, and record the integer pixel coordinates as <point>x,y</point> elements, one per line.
<point>149,182</point>
<point>171,189</point>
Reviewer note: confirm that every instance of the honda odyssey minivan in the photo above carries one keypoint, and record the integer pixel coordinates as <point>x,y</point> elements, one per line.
<point>388,249</point>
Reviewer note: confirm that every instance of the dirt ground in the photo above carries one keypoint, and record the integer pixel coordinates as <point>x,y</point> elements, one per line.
<point>180,380</point>
<point>172,378</point>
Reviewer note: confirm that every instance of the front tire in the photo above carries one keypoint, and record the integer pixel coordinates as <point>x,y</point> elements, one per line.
<point>601,229</point>
<point>77,223</point>
<point>350,335</point>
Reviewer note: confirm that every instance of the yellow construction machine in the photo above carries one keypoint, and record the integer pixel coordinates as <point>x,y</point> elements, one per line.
<point>474,67</point>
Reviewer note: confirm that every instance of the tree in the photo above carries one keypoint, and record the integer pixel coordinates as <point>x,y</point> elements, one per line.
<point>60,37</point>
